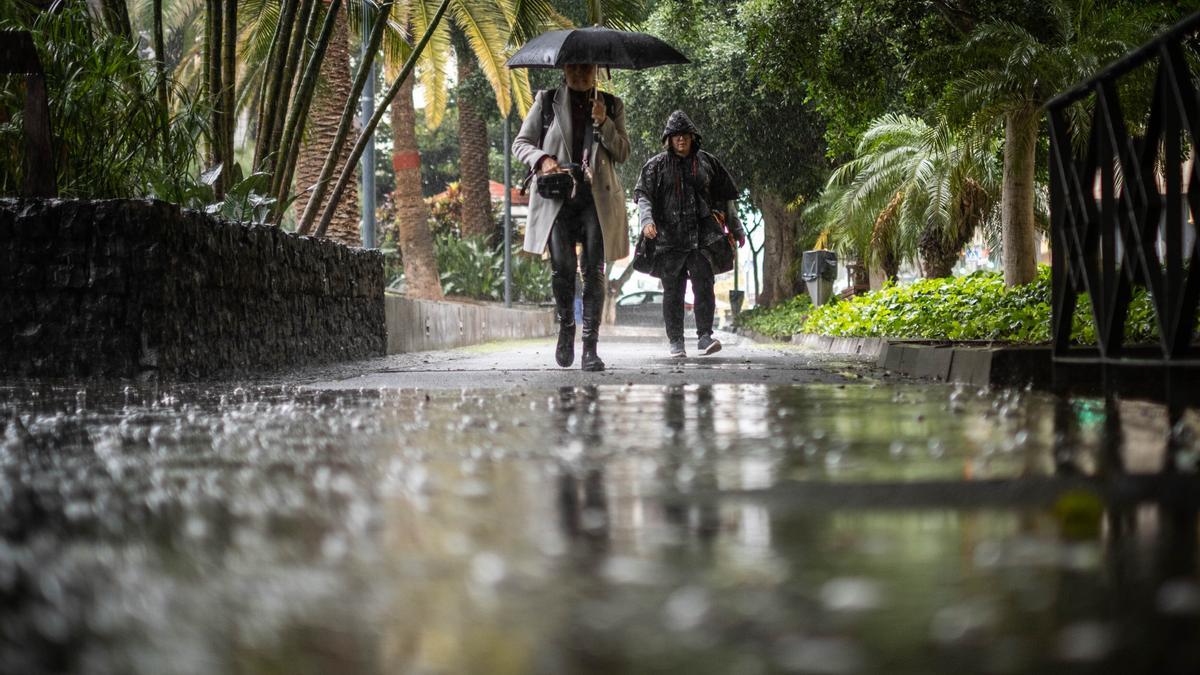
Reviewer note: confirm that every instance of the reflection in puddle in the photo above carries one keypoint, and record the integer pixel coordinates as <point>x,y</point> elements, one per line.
<point>592,530</point>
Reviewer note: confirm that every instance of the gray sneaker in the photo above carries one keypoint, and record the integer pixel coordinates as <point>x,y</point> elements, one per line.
<point>707,345</point>
<point>677,350</point>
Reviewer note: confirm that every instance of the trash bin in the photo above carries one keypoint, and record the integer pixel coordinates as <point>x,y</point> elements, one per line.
<point>736,298</point>
<point>819,270</point>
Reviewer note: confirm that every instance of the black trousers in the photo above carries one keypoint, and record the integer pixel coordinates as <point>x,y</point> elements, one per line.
<point>577,223</point>
<point>695,267</point>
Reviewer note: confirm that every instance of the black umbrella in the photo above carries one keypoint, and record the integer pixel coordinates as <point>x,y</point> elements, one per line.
<point>604,47</point>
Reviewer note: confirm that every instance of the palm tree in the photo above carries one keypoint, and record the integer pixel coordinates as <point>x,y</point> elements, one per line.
<point>1021,68</point>
<point>413,234</point>
<point>911,192</point>
<point>486,29</point>
<point>472,145</point>
<point>324,118</point>
<point>317,110</point>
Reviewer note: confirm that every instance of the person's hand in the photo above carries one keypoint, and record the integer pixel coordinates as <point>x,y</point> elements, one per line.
<point>650,231</point>
<point>548,165</point>
<point>741,240</point>
<point>599,113</point>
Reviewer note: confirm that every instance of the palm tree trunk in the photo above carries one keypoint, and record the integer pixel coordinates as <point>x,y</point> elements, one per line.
<point>360,145</point>
<point>324,118</point>
<point>472,155</point>
<point>160,77</point>
<point>412,215</point>
<point>228,82</point>
<point>937,258</point>
<point>1016,202</point>
<point>272,100</point>
<point>116,17</point>
<point>779,250</point>
<point>214,91</point>
<point>939,250</point>
<point>297,116</point>
<point>303,32</point>
<point>883,239</point>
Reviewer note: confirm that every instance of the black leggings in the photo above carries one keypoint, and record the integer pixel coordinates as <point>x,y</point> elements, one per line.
<point>578,226</point>
<point>695,267</point>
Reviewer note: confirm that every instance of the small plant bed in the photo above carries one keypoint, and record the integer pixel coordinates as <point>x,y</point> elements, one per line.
<point>975,307</point>
<point>781,321</point>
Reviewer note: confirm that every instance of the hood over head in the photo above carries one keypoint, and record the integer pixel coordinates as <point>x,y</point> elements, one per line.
<point>680,123</point>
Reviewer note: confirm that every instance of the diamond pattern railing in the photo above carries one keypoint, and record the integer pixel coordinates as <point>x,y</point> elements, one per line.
<point>1123,206</point>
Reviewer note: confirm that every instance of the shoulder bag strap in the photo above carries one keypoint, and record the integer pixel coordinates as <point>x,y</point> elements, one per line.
<point>547,96</point>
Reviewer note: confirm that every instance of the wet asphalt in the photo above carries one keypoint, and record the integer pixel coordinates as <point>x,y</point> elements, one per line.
<point>762,510</point>
<point>632,355</point>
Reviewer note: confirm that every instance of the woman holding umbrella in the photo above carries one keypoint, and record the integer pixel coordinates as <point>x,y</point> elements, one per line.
<point>571,140</point>
<point>585,139</point>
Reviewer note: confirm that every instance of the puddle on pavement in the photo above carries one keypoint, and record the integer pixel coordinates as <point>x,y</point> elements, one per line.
<point>275,530</point>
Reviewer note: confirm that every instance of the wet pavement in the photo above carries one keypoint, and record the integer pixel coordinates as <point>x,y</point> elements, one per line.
<point>477,511</point>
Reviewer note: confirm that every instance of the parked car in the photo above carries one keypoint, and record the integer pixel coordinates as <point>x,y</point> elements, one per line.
<point>644,308</point>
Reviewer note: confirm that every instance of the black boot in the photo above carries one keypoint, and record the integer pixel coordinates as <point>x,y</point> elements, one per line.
<point>593,308</point>
<point>591,361</point>
<point>564,353</point>
<point>564,313</point>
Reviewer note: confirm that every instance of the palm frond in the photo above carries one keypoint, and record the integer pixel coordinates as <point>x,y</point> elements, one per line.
<point>397,43</point>
<point>522,93</point>
<point>528,18</point>
<point>619,14</point>
<point>434,60</point>
<point>487,32</point>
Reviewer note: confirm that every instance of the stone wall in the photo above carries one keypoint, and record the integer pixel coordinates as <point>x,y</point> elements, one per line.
<point>125,288</point>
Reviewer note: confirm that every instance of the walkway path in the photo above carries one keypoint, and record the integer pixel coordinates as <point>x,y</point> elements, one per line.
<point>762,510</point>
<point>632,355</point>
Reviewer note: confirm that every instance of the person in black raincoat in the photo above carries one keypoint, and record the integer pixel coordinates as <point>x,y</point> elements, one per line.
<point>680,194</point>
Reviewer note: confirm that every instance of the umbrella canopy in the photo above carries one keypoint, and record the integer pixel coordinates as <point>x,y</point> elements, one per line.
<point>604,47</point>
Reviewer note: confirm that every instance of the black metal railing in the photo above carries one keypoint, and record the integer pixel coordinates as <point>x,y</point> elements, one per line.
<point>1122,214</point>
<point>18,56</point>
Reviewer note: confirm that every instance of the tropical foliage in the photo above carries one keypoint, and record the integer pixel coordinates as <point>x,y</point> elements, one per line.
<point>473,268</point>
<point>1015,69</point>
<point>96,77</point>
<point>769,137</point>
<point>975,307</point>
<point>912,192</point>
<point>975,72</point>
<point>783,320</point>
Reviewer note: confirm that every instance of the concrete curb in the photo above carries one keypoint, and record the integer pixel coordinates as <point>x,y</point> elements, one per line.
<point>980,364</point>
<point>425,325</point>
<point>760,338</point>
<point>841,345</point>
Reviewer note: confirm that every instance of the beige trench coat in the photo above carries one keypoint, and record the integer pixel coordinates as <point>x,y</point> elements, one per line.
<point>611,146</point>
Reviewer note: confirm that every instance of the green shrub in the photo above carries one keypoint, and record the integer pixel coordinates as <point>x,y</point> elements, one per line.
<point>470,267</point>
<point>782,320</point>
<point>975,307</point>
<point>531,277</point>
<point>106,119</point>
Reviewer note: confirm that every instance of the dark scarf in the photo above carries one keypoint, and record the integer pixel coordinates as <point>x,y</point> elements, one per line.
<point>580,104</point>
<point>683,174</point>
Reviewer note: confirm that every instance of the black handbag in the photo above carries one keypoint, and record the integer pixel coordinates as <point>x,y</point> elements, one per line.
<point>643,255</point>
<point>721,252</point>
<point>559,185</point>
